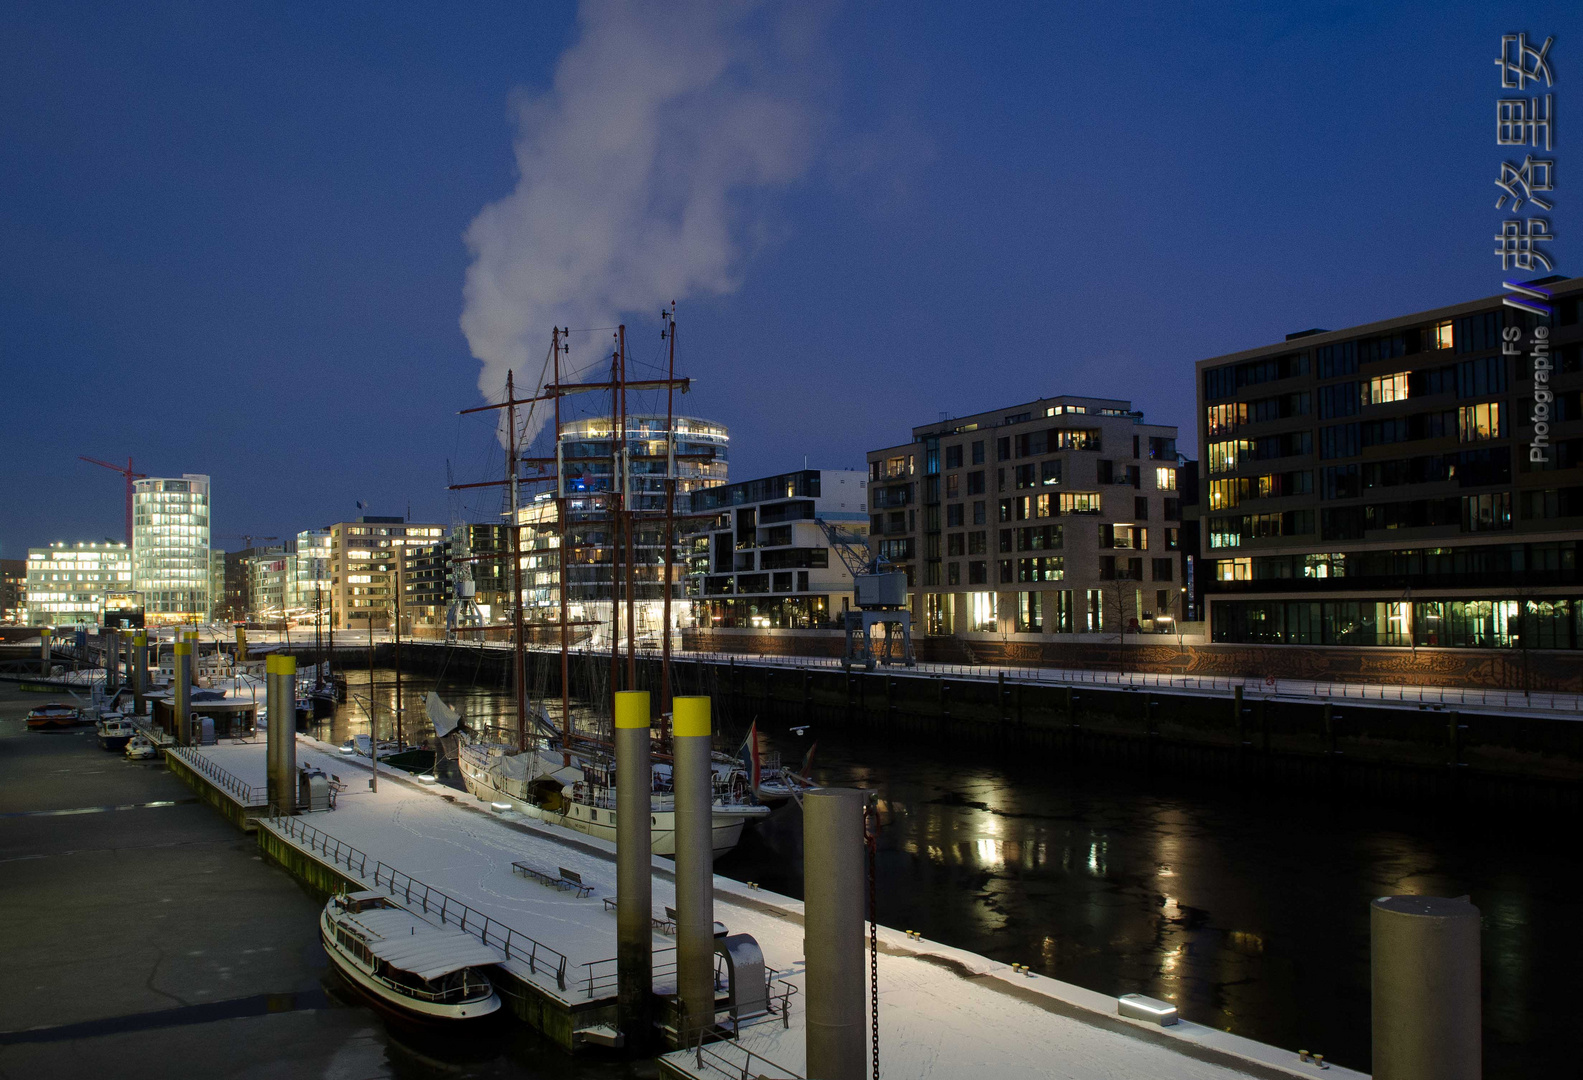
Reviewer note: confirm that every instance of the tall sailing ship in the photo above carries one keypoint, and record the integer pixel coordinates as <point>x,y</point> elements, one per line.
<point>556,775</point>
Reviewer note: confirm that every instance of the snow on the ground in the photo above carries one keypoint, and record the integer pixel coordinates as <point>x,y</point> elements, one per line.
<point>944,1012</point>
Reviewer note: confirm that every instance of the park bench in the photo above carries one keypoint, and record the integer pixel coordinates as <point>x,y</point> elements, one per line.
<point>561,879</point>
<point>664,926</point>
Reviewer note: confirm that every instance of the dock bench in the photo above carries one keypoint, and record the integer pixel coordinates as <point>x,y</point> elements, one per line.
<point>664,926</point>
<point>567,879</point>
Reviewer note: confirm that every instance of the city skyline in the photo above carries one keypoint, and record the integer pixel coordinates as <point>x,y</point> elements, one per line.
<point>268,210</point>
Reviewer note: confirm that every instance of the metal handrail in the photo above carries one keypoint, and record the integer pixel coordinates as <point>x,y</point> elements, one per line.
<point>606,978</point>
<point>229,781</point>
<point>515,944</point>
<point>704,1057</point>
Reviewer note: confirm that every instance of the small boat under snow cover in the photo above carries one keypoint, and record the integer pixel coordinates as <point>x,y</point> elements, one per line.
<point>405,965</point>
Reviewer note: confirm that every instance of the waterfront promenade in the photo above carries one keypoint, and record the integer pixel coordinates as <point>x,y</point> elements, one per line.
<point>1271,687</point>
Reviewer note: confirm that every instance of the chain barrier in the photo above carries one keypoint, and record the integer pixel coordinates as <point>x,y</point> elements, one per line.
<point>871,842</point>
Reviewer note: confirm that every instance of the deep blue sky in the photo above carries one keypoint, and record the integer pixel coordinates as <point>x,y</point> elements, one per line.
<point>231,235</point>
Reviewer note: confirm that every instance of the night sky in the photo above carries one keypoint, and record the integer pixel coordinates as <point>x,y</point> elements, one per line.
<point>273,242</point>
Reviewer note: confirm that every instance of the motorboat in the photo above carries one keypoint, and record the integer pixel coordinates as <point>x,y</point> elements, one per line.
<point>406,966</point>
<point>54,715</point>
<point>139,748</point>
<point>114,731</point>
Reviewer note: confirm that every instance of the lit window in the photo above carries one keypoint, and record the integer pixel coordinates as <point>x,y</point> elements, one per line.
<point>1385,388</point>
<point>1234,570</point>
<point>1165,478</point>
<point>1476,423</point>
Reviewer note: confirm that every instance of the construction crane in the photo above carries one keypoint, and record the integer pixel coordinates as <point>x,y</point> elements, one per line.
<point>246,538</point>
<point>880,592</point>
<point>131,479</point>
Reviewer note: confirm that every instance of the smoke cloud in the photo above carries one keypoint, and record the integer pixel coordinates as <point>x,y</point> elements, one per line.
<point>642,173</point>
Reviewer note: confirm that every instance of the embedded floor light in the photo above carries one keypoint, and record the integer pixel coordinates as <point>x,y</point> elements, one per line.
<point>1148,1009</point>
<point>426,778</point>
<point>500,807</point>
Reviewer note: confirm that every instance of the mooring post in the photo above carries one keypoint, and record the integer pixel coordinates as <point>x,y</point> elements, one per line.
<point>634,869</point>
<point>181,693</point>
<point>139,672</point>
<point>241,644</point>
<point>691,743</point>
<point>43,651</point>
<point>833,896</point>
<point>286,754</point>
<point>1424,959</point>
<point>112,659</point>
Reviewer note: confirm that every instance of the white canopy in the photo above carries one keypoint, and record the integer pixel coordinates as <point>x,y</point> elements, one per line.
<point>407,943</point>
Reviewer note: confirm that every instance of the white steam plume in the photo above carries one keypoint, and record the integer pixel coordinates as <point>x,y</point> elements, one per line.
<point>638,171</point>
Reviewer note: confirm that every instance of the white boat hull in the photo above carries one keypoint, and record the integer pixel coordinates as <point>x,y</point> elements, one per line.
<point>596,821</point>
<point>413,1008</point>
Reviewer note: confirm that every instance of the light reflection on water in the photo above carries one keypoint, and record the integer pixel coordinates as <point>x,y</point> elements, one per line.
<point>1247,908</point>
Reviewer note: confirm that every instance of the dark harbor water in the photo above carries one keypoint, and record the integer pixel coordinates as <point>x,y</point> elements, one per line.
<point>1248,908</point>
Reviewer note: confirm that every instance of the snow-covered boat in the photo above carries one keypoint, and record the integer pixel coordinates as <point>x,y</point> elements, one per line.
<point>577,790</point>
<point>406,966</point>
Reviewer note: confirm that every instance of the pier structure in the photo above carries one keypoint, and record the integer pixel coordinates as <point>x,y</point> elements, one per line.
<point>545,897</point>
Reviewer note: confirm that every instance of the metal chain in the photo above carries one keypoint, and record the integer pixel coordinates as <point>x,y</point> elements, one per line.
<point>871,838</point>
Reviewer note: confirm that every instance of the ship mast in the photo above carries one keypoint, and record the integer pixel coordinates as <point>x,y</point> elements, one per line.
<point>626,513</point>
<point>514,535</point>
<point>561,565</point>
<point>670,519</point>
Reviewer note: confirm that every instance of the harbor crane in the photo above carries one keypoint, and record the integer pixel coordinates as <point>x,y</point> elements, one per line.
<point>246,538</point>
<point>880,592</point>
<point>131,478</point>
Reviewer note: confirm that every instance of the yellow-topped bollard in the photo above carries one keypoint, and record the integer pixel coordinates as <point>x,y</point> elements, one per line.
<point>181,694</point>
<point>280,680</point>
<point>634,870</point>
<point>139,672</point>
<point>690,716</point>
<point>241,643</point>
<point>692,772</point>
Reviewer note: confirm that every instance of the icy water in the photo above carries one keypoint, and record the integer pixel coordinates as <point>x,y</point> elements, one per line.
<point>1247,908</point>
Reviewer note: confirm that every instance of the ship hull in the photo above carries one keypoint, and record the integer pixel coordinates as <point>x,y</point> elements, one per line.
<point>600,822</point>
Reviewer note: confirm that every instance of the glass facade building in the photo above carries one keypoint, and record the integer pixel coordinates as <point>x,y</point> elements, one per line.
<point>589,463</point>
<point>67,583</point>
<point>170,548</point>
<point>1413,483</point>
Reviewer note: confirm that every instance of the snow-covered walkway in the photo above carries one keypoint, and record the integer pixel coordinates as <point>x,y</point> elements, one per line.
<point>943,1012</point>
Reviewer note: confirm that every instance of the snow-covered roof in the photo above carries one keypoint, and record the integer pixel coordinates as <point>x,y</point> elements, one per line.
<point>407,943</point>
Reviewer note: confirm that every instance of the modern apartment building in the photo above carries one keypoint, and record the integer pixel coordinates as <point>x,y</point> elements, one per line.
<point>696,457</point>
<point>170,547</point>
<point>757,556</point>
<point>308,587</point>
<point>68,584</point>
<point>1375,486</point>
<point>1055,517</point>
<point>368,562</point>
<point>13,590</point>
<point>477,552</point>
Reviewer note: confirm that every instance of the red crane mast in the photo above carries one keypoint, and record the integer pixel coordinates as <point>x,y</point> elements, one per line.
<point>131,477</point>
